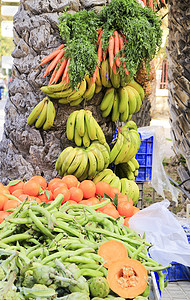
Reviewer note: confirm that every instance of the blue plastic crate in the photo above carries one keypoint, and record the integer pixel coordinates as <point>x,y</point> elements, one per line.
<point>144,157</point>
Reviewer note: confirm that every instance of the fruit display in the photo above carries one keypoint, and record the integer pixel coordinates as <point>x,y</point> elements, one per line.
<point>57,249</point>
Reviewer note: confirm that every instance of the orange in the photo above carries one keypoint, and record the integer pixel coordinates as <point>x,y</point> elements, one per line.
<point>135,210</point>
<point>113,190</point>
<point>88,187</point>
<point>31,188</point>
<point>126,221</point>
<point>23,196</point>
<point>72,202</point>
<point>110,212</point>
<point>32,198</point>
<point>125,209</point>
<point>90,201</point>
<point>16,186</point>
<point>109,205</point>
<point>102,187</point>
<point>3,215</point>
<point>3,199</point>
<point>40,179</point>
<point>70,180</point>
<point>64,191</point>
<point>52,182</point>
<point>124,198</point>
<point>58,184</point>
<point>4,190</point>
<point>11,204</point>
<point>46,196</point>
<point>18,192</point>
<point>76,194</point>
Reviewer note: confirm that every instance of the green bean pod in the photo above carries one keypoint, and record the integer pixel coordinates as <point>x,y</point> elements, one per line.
<point>88,272</point>
<point>39,225</point>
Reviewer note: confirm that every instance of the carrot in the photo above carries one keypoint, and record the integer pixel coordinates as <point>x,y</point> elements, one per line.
<point>116,47</point>
<point>56,59</point>
<point>66,70</point>
<point>100,52</point>
<point>122,46</point>
<point>110,51</point>
<point>51,55</point>
<point>100,36</point>
<point>111,250</point>
<point>60,71</point>
<point>163,1</point>
<point>52,77</point>
<point>151,4</point>
<point>67,78</point>
<point>94,75</point>
<point>105,55</point>
<point>99,30</point>
<point>144,1</point>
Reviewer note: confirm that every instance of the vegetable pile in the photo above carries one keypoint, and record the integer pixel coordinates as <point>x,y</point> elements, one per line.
<point>136,32</point>
<point>54,251</point>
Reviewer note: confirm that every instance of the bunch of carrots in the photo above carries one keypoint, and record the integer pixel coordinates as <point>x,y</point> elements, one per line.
<point>150,3</point>
<point>85,192</point>
<point>59,65</point>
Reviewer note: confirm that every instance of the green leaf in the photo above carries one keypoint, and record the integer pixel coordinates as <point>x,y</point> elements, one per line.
<point>13,182</point>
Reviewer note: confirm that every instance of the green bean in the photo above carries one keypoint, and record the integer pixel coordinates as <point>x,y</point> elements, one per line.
<point>34,241</point>
<point>65,227</point>
<point>56,203</point>
<point>103,221</point>
<point>156,268</point>
<point>88,272</point>
<point>21,221</point>
<point>79,259</point>
<point>30,249</point>
<point>7,232</point>
<point>136,253</point>
<point>95,257</point>
<point>73,246</point>
<point>161,280</point>
<point>36,252</point>
<point>58,237</point>
<point>12,197</point>
<point>44,212</point>
<point>16,237</point>
<point>39,225</point>
<point>94,267</point>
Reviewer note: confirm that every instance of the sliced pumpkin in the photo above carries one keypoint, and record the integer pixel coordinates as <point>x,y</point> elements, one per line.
<point>111,251</point>
<point>127,277</point>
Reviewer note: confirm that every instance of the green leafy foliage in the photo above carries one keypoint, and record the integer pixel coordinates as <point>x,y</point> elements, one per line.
<point>140,26</point>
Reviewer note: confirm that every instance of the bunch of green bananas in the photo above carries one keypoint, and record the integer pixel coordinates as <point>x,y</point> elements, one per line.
<point>82,128</point>
<point>128,170</point>
<point>43,114</point>
<point>126,145</point>
<point>84,163</point>
<point>122,102</point>
<point>125,186</point>
<point>65,94</point>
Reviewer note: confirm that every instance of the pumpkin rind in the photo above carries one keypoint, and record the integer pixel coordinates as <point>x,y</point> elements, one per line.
<point>115,274</point>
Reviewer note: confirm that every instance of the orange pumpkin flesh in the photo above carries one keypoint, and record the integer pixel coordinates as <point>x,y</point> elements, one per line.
<point>127,277</point>
<point>111,250</point>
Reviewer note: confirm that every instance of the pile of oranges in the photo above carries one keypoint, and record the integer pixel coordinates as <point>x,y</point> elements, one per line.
<point>76,192</point>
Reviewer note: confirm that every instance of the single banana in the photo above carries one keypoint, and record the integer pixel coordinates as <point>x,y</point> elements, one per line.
<point>136,173</point>
<point>138,98</point>
<point>98,79</point>
<point>123,100</point>
<point>98,89</point>
<point>89,93</point>
<point>35,112</point>
<point>79,92</point>
<point>70,125</point>
<point>115,78</point>
<point>76,161</point>
<point>132,149</point>
<point>138,87</point>
<point>134,192</point>
<point>86,139</point>
<point>92,164</point>
<point>68,160</point>
<point>109,178</point>
<point>117,147</point>
<point>131,166</point>
<point>80,122</point>
<point>129,117</point>
<point>125,79</point>
<point>104,151</point>
<point>55,88</point>
<point>84,162</point>
<point>99,133</point>
<point>50,116</point>
<point>101,175</point>
<point>77,138</point>
<point>130,124</point>
<point>76,102</point>
<point>62,157</point>
<point>136,137</point>
<point>132,100</point>
<point>107,111</point>
<point>108,97</point>
<point>135,162</point>
<point>116,182</point>
<point>123,117</point>
<point>90,124</point>
<point>125,186</point>
<point>64,100</point>
<point>85,173</point>
<point>115,109</point>
<point>63,94</point>
<point>124,150</point>
<point>42,116</point>
<point>99,157</point>
<point>104,73</point>
<point>130,175</point>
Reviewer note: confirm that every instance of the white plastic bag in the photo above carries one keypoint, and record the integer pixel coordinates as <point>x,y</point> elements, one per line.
<point>159,181</point>
<point>163,230</point>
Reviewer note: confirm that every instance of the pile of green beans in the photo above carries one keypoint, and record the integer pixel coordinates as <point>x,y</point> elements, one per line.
<point>71,234</point>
